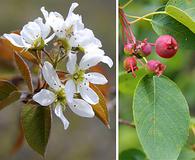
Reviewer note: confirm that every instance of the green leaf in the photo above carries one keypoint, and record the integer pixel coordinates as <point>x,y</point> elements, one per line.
<point>100,108</point>
<point>127,82</point>
<point>13,97</point>
<point>132,154</point>
<point>183,11</point>
<point>187,154</point>
<point>8,94</point>
<point>25,71</point>
<point>36,122</point>
<point>164,24</point>
<point>161,117</point>
<point>6,88</point>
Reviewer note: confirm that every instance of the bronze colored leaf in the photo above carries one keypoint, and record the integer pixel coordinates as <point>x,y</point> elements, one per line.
<point>19,140</point>
<point>100,109</point>
<point>24,69</point>
<point>7,50</point>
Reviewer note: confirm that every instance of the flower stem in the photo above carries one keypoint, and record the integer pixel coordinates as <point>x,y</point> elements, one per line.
<point>127,123</point>
<point>50,58</point>
<point>147,15</point>
<point>144,58</point>
<point>137,17</point>
<point>126,4</point>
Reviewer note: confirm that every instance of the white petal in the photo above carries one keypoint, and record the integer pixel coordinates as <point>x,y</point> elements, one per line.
<point>81,108</point>
<point>15,39</point>
<point>44,97</point>
<point>70,89</point>
<point>55,20</point>
<point>71,64</point>
<point>89,60</point>
<point>58,111</point>
<point>93,49</point>
<point>49,38</point>
<point>72,8</point>
<point>107,60</point>
<point>51,76</point>
<point>86,37</point>
<point>96,78</point>
<point>44,12</point>
<point>74,20</point>
<point>30,32</point>
<point>45,29</point>
<point>88,94</point>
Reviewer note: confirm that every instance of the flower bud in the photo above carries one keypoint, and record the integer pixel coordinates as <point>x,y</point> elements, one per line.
<point>130,65</point>
<point>128,49</point>
<point>146,49</point>
<point>166,46</point>
<point>156,67</point>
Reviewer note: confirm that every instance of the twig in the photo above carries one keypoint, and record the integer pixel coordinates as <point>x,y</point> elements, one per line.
<point>127,123</point>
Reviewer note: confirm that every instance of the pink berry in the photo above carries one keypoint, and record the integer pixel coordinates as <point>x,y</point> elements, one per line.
<point>166,46</point>
<point>128,48</point>
<point>156,67</point>
<point>146,49</point>
<point>130,65</point>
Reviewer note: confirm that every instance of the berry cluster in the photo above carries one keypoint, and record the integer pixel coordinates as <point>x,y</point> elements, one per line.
<point>165,46</point>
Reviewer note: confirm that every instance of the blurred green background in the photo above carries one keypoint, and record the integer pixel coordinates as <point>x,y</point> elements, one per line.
<point>86,139</point>
<point>180,69</point>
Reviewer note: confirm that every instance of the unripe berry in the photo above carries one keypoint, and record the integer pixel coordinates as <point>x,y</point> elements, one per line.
<point>156,67</point>
<point>128,49</point>
<point>130,65</point>
<point>166,46</point>
<point>146,49</point>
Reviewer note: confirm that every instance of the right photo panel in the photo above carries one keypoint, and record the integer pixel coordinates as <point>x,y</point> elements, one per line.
<point>156,79</point>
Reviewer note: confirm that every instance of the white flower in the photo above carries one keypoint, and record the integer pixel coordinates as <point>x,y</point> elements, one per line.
<point>65,29</point>
<point>61,96</point>
<point>80,80</point>
<point>34,35</point>
<point>71,29</point>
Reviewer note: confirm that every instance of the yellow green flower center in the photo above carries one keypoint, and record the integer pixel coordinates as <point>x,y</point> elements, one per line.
<point>61,96</point>
<point>69,32</point>
<point>38,43</point>
<point>78,76</point>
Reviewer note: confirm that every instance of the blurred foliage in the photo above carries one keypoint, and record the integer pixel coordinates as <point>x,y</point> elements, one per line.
<point>181,69</point>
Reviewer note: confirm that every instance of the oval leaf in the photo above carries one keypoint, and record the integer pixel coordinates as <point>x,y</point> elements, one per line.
<point>13,97</point>
<point>36,122</point>
<point>161,117</point>
<point>25,71</point>
<point>164,24</point>
<point>8,94</point>
<point>6,88</point>
<point>100,108</point>
<point>183,11</point>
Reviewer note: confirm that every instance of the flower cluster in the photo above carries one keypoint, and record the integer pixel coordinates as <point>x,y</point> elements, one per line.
<point>73,40</point>
<point>166,47</point>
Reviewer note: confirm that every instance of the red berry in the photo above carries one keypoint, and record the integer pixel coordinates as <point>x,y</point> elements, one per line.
<point>156,67</point>
<point>128,48</point>
<point>130,65</point>
<point>146,49</point>
<point>166,46</point>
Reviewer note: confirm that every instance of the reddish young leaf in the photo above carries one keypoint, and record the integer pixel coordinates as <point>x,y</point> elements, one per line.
<point>24,69</point>
<point>100,109</point>
<point>7,50</point>
<point>19,140</point>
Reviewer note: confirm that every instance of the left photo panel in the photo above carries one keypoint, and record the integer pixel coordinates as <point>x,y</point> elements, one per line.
<point>58,80</point>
